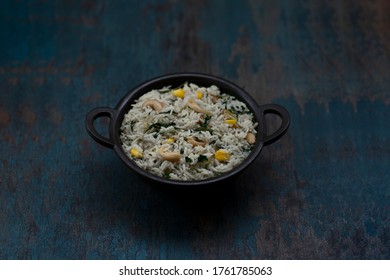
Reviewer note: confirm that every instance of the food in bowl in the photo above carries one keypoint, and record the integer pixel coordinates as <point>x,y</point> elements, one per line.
<point>188,133</point>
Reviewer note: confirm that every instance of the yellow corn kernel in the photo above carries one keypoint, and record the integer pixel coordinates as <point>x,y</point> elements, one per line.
<point>199,94</point>
<point>222,155</point>
<point>232,122</point>
<point>170,141</point>
<point>179,93</point>
<point>135,153</point>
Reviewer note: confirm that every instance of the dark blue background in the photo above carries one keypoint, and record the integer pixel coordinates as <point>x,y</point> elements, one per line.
<point>321,192</point>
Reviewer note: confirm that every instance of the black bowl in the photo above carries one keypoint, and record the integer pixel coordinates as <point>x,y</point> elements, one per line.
<point>116,116</point>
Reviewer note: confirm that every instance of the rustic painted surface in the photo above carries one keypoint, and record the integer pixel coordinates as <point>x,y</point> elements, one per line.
<point>321,192</point>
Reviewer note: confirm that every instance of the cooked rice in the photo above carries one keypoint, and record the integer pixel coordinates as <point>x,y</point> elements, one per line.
<point>221,124</point>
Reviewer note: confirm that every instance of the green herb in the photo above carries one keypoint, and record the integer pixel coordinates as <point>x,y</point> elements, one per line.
<point>205,125</point>
<point>202,158</point>
<point>132,123</point>
<point>232,112</point>
<point>157,126</point>
<point>224,100</point>
<point>188,160</point>
<point>167,174</point>
<point>240,111</point>
<point>203,129</point>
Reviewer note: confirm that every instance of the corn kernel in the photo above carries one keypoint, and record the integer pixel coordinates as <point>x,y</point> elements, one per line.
<point>179,93</point>
<point>232,122</point>
<point>222,155</point>
<point>199,94</point>
<point>170,141</point>
<point>135,153</point>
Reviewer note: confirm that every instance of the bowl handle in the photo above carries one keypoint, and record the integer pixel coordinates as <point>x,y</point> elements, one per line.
<point>283,114</point>
<point>91,117</point>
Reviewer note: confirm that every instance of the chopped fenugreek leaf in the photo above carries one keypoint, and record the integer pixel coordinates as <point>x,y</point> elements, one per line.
<point>188,160</point>
<point>132,123</point>
<point>205,125</point>
<point>157,126</point>
<point>167,174</point>
<point>202,158</point>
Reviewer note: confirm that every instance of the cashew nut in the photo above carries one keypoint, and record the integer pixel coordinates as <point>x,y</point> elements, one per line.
<point>153,103</point>
<point>195,106</point>
<point>251,138</point>
<point>214,98</point>
<point>195,142</point>
<point>169,156</point>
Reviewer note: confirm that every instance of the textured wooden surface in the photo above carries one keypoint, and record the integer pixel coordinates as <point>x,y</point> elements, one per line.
<point>321,192</point>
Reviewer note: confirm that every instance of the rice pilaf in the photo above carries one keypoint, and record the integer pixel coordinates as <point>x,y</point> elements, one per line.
<point>188,133</point>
